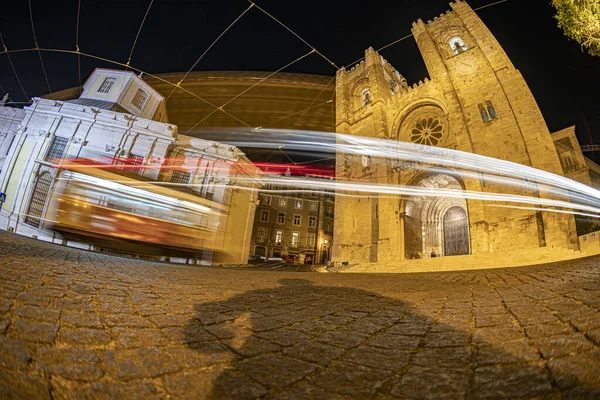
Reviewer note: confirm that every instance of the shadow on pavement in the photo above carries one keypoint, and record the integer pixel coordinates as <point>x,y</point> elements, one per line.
<point>300,340</point>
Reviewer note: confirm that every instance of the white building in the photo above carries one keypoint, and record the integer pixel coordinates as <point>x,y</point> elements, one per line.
<point>119,120</point>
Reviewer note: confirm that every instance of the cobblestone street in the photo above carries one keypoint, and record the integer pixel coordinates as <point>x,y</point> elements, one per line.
<point>77,324</point>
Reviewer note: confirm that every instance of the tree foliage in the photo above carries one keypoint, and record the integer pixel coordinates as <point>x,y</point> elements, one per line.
<point>580,20</point>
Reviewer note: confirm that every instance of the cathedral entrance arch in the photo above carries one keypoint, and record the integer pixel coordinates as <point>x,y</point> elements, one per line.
<point>436,223</point>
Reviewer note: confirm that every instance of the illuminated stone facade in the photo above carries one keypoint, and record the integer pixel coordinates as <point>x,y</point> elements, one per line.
<point>474,101</point>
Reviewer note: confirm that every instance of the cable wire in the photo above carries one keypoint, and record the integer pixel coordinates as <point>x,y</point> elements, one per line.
<point>138,32</point>
<point>313,102</point>
<point>12,66</point>
<point>249,88</point>
<point>77,47</point>
<point>295,34</point>
<point>207,50</point>
<point>37,46</point>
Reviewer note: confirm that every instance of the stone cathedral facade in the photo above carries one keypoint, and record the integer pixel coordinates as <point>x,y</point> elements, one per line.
<point>474,101</point>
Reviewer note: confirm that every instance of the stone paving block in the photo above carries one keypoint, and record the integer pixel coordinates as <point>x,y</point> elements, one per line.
<point>251,346</point>
<point>45,292</point>
<point>33,300</point>
<point>21,386</point>
<point>351,379</point>
<point>73,305</point>
<point>549,329</point>
<point>581,369</point>
<point>201,355</point>
<point>39,313</point>
<point>508,352</point>
<point>308,392</point>
<point>317,353</point>
<point>516,380</point>
<point>389,341</point>
<point>283,337</point>
<point>276,370</point>
<point>136,390</point>
<point>446,339</point>
<point>146,362</point>
<point>125,320</point>
<point>343,339</point>
<point>374,357</point>
<point>4,324</point>
<point>167,320</point>
<point>496,334</point>
<point>5,305</point>
<point>213,384</point>
<point>452,357</point>
<point>432,383</point>
<point>33,331</point>
<point>408,328</point>
<point>138,337</point>
<point>15,354</point>
<point>81,319</point>
<point>83,336</point>
<point>314,327</point>
<point>69,363</point>
<point>557,346</point>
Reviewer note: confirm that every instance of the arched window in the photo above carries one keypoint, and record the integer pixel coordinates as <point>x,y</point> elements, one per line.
<point>484,114</point>
<point>366,97</point>
<point>38,200</point>
<point>490,109</point>
<point>457,45</point>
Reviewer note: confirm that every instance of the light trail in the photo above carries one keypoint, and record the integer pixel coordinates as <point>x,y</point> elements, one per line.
<point>517,186</point>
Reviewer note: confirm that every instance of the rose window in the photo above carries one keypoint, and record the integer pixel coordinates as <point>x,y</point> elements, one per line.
<point>427,131</point>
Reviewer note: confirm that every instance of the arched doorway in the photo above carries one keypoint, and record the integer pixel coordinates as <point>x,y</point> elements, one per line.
<point>456,232</point>
<point>436,223</point>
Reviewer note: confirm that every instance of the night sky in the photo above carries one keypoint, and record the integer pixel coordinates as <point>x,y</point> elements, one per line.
<point>565,81</point>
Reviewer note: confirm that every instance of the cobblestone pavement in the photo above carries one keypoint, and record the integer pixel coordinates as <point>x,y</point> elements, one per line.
<point>76,324</point>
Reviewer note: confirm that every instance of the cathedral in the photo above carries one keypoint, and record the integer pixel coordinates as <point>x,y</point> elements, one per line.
<point>474,101</point>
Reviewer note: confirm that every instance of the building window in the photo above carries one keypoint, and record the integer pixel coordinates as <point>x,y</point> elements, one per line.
<point>312,222</point>
<point>328,227</point>
<point>267,200</point>
<point>57,148</point>
<point>278,237</point>
<point>139,100</point>
<point>484,115</point>
<point>490,109</point>
<point>329,209</point>
<point>297,219</point>
<point>38,200</point>
<point>261,234</point>
<point>107,85</point>
<point>131,163</point>
<point>298,204</point>
<point>264,216</point>
<point>311,239</point>
<point>282,202</point>
<point>281,218</point>
<point>180,177</point>
<point>568,163</point>
<point>314,206</point>
<point>295,239</point>
<point>366,97</point>
<point>457,45</point>
<point>366,161</point>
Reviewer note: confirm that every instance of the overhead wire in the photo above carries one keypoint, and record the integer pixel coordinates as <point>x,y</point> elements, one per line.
<point>208,49</point>
<point>313,102</point>
<point>37,46</point>
<point>77,47</point>
<point>295,34</point>
<point>138,32</point>
<point>249,88</point>
<point>7,52</point>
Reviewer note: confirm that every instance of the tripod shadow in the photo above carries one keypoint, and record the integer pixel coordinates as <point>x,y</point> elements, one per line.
<point>300,340</point>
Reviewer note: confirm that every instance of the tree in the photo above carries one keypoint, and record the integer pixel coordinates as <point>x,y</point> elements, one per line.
<point>580,20</point>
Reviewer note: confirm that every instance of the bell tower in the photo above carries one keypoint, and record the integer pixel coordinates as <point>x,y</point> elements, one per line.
<point>489,101</point>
